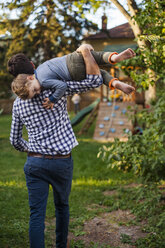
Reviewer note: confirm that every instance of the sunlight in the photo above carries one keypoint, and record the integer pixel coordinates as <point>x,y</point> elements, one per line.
<point>13,183</point>
<point>94,182</point>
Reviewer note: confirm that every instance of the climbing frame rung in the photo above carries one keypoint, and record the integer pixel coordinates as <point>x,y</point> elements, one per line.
<point>102,130</point>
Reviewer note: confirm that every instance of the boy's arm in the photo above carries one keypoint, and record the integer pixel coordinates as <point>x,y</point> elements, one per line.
<point>59,86</point>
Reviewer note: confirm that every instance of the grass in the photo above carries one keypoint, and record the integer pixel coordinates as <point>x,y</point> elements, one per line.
<point>91,178</point>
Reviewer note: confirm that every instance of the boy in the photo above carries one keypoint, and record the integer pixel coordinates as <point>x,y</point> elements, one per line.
<point>53,73</point>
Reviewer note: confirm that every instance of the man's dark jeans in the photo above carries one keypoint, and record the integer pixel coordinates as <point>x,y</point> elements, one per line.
<point>40,173</point>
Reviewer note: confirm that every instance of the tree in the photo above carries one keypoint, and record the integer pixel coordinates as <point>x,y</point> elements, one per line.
<point>144,154</point>
<point>4,77</point>
<point>52,25</point>
<point>137,16</point>
<point>42,29</point>
<point>138,19</point>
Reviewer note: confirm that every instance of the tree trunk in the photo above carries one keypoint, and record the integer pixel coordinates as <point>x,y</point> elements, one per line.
<point>151,92</point>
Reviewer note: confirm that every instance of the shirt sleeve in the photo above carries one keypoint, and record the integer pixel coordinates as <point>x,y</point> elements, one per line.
<point>91,82</point>
<point>58,85</point>
<point>16,134</point>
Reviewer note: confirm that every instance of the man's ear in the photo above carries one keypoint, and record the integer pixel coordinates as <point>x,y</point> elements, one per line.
<point>30,77</point>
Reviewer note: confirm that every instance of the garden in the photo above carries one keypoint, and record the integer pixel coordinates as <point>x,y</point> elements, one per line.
<point>118,189</point>
<point>109,208</point>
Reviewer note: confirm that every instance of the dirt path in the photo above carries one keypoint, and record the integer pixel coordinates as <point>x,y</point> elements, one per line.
<point>116,228</point>
<point>112,229</point>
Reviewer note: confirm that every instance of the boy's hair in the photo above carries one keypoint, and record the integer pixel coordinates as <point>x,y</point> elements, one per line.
<point>20,86</point>
<point>20,64</point>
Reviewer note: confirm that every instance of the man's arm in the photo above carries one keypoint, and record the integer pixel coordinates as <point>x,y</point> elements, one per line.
<point>92,67</point>
<point>16,134</point>
<point>93,77</point>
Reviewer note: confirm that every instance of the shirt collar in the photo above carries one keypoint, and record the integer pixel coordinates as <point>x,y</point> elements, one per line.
<point>35,72</point>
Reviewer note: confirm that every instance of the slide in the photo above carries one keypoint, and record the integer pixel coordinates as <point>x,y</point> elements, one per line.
<point>80,116</point>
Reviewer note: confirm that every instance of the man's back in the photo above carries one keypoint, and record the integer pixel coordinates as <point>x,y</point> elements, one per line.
<point>49,131</point>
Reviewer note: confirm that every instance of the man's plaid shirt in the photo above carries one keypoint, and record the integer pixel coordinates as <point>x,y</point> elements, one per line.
<point>49,131</point>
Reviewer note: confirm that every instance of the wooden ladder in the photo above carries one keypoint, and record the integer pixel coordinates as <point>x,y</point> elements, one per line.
<point>89,120</point>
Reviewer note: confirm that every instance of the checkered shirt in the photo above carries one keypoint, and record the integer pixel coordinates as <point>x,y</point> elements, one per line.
<point>49,131</point>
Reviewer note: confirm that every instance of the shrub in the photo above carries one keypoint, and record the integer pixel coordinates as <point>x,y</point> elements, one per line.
<point>144,154</point>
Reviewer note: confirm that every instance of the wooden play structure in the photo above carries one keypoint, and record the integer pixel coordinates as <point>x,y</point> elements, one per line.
<point>112,111</point>
<point>111,114</point>
<point>112,121</point>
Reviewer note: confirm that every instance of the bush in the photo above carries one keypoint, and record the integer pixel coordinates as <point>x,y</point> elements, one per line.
<point>144,154</point>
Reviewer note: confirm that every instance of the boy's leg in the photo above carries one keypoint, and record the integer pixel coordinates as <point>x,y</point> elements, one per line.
<point>106,77</point>
<point>126,54</point>
<point>114,83</point>
<point>103,58</point>
<point>112,57</point>
<point>76,65</point>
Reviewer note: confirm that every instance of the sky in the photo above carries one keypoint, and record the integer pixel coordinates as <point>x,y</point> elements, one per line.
<point>114,16</point>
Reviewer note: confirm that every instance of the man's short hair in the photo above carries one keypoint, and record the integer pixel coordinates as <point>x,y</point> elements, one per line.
<point>20,64</point>
<point>20,86</point>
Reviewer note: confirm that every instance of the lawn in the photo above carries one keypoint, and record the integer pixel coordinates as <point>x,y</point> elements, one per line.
<point>91,179</point>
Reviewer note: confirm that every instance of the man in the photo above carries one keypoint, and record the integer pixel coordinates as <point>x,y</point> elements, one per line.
<point>49,161</point>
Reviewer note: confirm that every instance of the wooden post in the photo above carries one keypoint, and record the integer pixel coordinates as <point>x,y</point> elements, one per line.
<point>112,71</point>
<point>107,93</point>
<point>101,93</point>
<point>69,103</point>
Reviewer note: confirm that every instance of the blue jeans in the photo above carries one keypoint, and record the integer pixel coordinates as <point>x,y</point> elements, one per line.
<point>40,173</point>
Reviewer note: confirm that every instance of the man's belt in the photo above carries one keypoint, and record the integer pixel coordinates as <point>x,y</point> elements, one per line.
<point>39,155</point>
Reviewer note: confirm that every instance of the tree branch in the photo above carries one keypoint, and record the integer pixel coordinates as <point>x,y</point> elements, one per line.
<point>122,10</point>
<point>132,7</point>
<point>133,3</point>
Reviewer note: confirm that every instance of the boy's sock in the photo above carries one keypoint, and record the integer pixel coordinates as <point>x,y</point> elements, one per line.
<point>107,57</point>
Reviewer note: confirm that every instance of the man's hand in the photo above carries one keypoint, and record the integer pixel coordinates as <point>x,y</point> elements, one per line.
<point>84,47</point>
<point>91,66</point>
<point>48,104</point>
